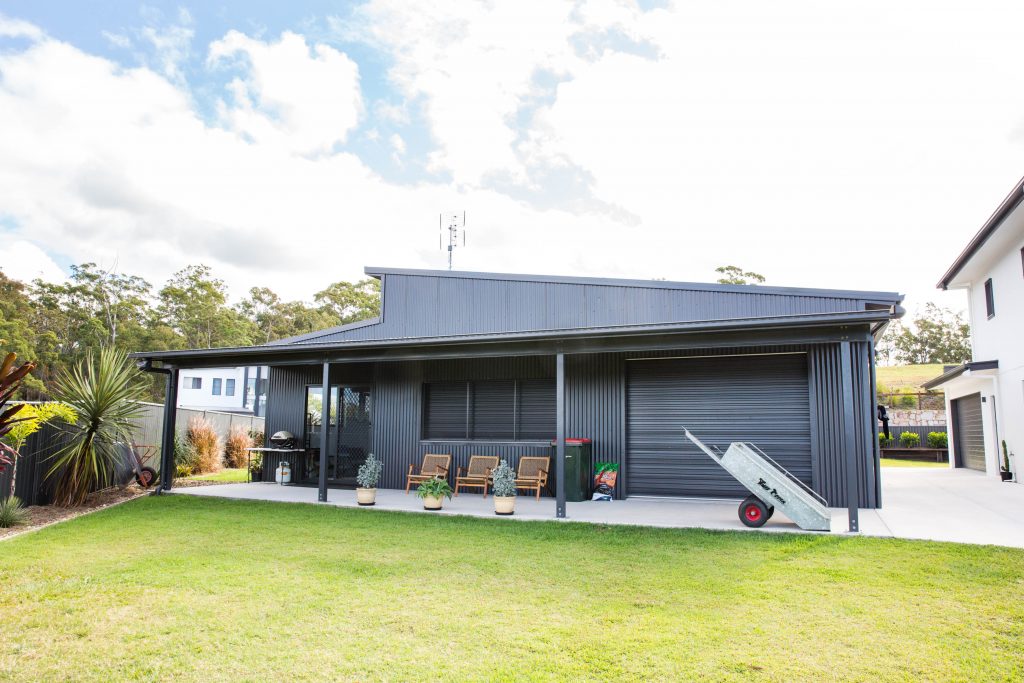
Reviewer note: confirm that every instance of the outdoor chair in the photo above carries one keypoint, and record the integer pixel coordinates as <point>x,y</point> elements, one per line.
<point>533,473</point>
<point>433,467</point>
<point>478,474</point>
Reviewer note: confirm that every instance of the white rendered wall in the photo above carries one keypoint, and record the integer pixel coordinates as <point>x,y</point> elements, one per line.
<point>203,398</point>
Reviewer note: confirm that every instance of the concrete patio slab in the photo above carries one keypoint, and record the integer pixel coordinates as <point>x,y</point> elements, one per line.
<point>932,504</point>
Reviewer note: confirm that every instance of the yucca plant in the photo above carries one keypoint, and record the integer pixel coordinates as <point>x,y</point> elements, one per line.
<point>103,391</point>
<point>12,513</point>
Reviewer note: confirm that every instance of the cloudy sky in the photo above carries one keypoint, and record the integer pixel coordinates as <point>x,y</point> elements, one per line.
<point>289,144</point>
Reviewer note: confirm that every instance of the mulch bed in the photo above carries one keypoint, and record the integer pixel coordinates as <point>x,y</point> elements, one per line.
<point>44,515</point>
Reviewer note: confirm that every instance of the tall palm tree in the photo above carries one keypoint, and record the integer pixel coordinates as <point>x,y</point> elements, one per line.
<point>104,393</point>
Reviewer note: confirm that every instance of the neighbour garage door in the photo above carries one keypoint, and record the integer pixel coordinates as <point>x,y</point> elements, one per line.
<point>763,399</point>
<point>970,436</point>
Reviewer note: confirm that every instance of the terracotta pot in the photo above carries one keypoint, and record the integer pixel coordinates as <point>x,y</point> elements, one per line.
<point>432,503</point>
<point>504,505</point>
<point>366,496</point>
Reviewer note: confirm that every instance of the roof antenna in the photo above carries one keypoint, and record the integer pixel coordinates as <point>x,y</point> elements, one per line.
<point>455,223</point>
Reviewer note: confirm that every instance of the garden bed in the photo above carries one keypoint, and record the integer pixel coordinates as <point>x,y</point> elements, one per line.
<point>45,515</point>
<point>927,454</point>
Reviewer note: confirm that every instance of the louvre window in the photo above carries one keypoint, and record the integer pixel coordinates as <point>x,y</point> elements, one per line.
<point>490,410</point>
<point>444,415</point>
<point>216,386</point>
<point>229,387</point>
<point>990,299</point>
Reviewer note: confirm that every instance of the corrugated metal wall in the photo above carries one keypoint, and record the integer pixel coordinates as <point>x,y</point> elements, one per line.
<point>595,409</point>
<point>424,306</point>
<point>827,427</point>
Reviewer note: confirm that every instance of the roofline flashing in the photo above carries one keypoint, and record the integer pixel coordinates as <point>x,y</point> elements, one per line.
<point>998,217</point>
<point>869,296</point>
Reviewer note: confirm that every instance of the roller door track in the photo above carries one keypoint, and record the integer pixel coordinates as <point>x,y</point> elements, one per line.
<point>970,435</point>
<point>763,399</point>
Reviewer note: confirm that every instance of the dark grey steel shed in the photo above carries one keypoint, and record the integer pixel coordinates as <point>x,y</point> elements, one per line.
<point>484,363</point>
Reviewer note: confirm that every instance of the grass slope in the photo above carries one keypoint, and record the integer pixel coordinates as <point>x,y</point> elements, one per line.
<point>906,378</point>
<point>186,589</point>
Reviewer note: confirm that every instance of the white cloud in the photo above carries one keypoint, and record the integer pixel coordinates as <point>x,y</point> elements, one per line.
<point>17,28</point>
<point>171,42</point>
<point>306,98</point>
<point>22,260</point>
<point>820,146</point>
<point>117,39</point>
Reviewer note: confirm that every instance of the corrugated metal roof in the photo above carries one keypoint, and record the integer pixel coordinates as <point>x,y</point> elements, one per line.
<point>423,307</point>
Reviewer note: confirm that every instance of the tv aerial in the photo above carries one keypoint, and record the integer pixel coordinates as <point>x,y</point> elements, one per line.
<point>455,223</point>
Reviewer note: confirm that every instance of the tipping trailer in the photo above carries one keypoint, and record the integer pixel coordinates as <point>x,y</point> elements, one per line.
<point>771,486</point>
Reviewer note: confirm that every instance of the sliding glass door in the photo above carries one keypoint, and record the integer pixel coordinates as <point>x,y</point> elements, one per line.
<point>348,437</point>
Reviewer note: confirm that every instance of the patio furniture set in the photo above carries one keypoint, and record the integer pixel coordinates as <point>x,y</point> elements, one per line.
<point>532,473</point>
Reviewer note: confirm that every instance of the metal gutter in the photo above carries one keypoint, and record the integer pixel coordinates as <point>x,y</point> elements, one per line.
<point>629,331</point>
<point>959,370</point>
<point>1012,201</point>
<point>869,296</point>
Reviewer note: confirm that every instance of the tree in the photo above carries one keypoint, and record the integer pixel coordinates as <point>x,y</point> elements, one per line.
<point>733,275</point>
<point>349,302</point>
<point>16,333</point>
<point>10,379</point>
<point>276,319</point>
<point>32,418</point>
<point>937,336</point>
<point>194,305</point>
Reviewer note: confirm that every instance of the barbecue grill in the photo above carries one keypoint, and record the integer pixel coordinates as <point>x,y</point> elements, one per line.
<point>283,439</point>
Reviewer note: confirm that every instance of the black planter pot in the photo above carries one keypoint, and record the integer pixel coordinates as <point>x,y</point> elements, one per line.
<point>1005,476</point>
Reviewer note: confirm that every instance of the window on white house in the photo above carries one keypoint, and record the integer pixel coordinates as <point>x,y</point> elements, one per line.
<point>194,382</point>
<point>990,300</point>
<point>229,387</point>
<point>216,386</point>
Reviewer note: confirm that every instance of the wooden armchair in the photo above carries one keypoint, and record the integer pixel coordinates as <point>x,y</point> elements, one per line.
<point>478,474</point>
<point>533,473</point>
<point>433,467</point>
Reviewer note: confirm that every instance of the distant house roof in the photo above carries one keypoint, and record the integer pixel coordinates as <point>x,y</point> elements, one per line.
<point>440,307</point>
<point>955,371</point>
<point>1012,201</point>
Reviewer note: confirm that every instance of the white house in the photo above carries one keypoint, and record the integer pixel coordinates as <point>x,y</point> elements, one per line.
<point>985,398</point>
<point>234,390</point>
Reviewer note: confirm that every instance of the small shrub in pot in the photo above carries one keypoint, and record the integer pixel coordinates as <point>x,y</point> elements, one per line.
<point>910,439</point>
<point>368,478</point>
<point>504,482</point>
<point>433,493</point>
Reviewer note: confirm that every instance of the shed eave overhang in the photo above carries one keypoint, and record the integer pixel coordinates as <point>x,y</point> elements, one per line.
<point>622,334</point>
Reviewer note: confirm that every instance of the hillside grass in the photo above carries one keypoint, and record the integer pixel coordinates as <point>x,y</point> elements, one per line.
<point>906,378</point>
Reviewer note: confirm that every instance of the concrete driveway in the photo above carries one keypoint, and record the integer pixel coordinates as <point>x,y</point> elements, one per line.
<point>948,505</point>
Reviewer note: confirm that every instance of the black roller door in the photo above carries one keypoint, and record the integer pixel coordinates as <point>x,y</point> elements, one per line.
<point>763,399</point>
<point>970,434</point>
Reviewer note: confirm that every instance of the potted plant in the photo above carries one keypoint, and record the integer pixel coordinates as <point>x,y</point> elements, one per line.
<point>256,466</point>
<point>367,478</point>
<point>433,493</point>
<point>1004,470</point>
<point>504,483</point>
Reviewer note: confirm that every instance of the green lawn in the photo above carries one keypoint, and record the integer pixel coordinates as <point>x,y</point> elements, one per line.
<point>225,475</point>
<point>189,589</point>
<point>906,377</point>
<point>895,462</point>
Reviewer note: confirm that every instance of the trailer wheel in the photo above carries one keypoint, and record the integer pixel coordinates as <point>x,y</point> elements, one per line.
<point>771,511</point>
<point>753,512</point>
